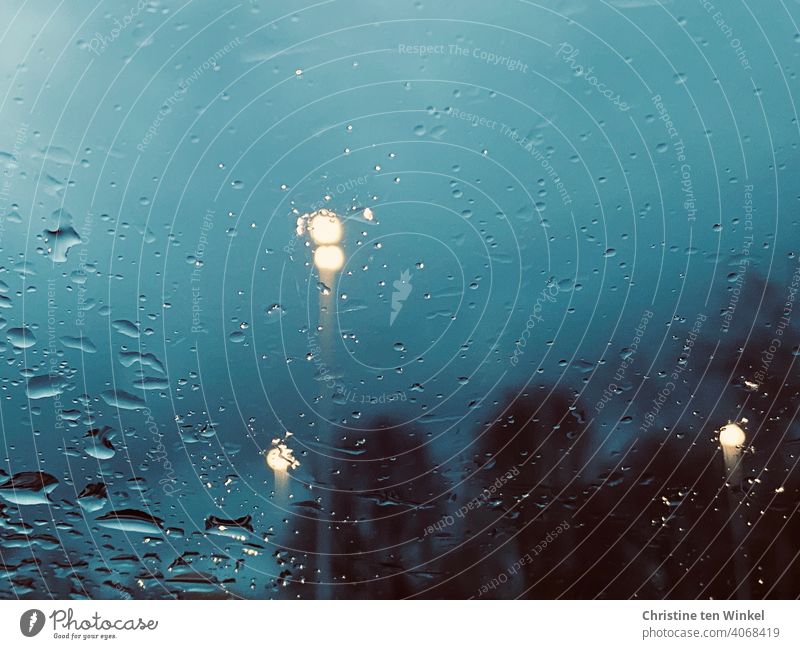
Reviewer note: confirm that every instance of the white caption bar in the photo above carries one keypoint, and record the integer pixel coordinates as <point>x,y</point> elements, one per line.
<point>356,624</point>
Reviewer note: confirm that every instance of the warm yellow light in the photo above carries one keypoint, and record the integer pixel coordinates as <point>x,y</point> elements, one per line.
<point>731,436</point>
<point>280,459</point>
<point>329,258</point>
<point>276,461</point>
<point>325,227</point>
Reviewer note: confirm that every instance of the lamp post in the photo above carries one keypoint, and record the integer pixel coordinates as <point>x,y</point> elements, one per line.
<point>280,459</point>
<point>325,229</point>
<point>732,439</point>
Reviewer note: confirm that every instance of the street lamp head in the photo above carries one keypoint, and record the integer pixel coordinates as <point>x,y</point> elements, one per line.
<point>325,227</point>
<point>731,436</point>
<point>329,258</point>
<point>280,459</point>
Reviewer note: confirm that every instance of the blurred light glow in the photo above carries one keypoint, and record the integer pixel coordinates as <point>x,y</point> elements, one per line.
<point>731,436</point>
<point>280,459</point>
<point>325,227</point>
<point>330,258</point>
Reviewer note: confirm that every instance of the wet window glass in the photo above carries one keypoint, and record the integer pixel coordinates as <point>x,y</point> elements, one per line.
<point>371,300</point>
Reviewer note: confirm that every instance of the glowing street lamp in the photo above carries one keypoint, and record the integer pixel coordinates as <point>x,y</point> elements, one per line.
<point>329,259</point>
<point>731,436</point>
<point>732,440</point>
<point>280,459</point>
<point>325,227</point>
